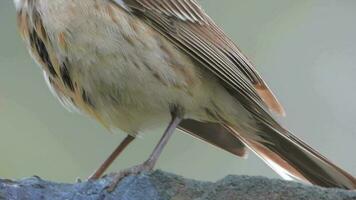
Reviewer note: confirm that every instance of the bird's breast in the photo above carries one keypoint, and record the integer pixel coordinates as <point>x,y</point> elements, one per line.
<point>108,63</point>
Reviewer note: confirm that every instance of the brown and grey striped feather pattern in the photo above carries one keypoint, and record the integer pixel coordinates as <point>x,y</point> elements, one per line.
<point>186,24</point>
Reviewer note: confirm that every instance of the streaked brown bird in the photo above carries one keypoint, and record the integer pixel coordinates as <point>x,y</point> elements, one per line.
<point>135,64</point>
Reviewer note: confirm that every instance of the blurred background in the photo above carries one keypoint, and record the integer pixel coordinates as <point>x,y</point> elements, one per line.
<point>304,49</point>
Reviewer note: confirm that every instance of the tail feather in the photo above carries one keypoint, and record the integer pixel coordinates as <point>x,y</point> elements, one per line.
<point>292,158</point>
<point>214,134</point>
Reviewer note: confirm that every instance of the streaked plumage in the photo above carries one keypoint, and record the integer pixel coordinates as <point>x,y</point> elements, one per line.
<point>129,62</point>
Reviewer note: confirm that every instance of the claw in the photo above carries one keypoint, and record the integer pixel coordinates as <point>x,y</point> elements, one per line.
<point>135,170</point>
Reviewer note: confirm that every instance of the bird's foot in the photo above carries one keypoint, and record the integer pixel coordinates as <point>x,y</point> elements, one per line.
<point>135,170</point>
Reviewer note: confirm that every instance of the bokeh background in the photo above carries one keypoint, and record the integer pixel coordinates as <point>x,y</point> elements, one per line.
<point>304,49</point>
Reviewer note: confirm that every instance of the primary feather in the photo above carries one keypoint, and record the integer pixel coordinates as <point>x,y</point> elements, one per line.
<point>186,24</point>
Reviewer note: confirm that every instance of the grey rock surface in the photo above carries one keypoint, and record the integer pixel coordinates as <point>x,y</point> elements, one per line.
<point>160,185</point>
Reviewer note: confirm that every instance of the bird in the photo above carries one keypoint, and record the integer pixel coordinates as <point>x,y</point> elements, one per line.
<point>134,65</point>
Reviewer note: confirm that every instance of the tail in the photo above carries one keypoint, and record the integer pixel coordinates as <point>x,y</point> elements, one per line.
<point>215,134</point>
<point>291,158</point>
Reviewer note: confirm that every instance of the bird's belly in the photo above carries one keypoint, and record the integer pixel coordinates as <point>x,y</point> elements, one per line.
<point>124,73</point>
<point>134,99</point>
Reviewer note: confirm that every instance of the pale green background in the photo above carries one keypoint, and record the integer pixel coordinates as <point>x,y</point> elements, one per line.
<point>305,50</point>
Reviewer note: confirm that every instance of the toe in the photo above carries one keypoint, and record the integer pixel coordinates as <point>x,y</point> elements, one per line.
<point>145,167</point>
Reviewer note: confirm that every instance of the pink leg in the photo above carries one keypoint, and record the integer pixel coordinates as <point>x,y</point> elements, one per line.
<point>151,161</point>
<point>100,171</point>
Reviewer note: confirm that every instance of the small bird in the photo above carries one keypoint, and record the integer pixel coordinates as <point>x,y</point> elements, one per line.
<point>137,64</point>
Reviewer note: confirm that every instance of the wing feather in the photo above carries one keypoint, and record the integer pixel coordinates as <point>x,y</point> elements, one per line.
<point>185,23</point>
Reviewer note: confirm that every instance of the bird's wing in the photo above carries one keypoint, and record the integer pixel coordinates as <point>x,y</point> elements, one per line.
<point>184,23</point>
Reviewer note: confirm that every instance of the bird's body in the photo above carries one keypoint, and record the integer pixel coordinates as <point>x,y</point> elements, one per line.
<point>130,75</point>
<point>132,64</point>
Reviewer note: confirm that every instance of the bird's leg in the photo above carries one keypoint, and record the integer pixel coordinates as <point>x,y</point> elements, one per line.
<point>151,161</point>
<point>100,171</point>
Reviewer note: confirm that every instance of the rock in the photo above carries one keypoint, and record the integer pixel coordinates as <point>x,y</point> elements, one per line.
<point>160,185</point>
